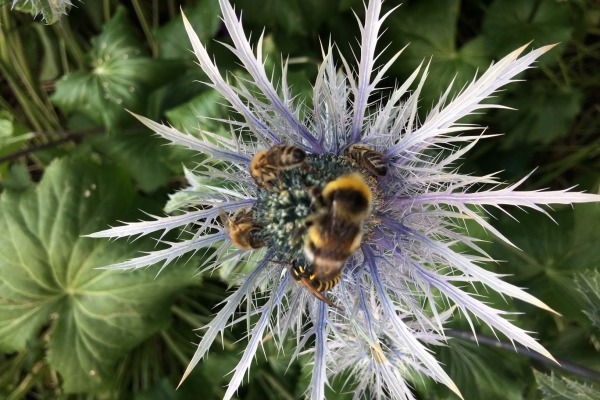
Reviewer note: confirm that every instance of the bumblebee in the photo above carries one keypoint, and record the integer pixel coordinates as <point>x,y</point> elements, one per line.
<point>333,233</point>
<point>243,230</point>
<point>267,164</point>
<point>367,158</point>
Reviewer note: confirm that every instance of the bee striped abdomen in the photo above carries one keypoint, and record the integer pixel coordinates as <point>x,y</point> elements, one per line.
<point>282,156</point>
<point>266,164</point>
<point>330,248</point>
<point>309,277</point>
<point>367,158</point>
<point>323,285</point>
<point>260,170</point>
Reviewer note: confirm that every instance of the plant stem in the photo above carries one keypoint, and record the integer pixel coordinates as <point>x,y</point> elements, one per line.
<point>14,67</point>
<point>146,27</point>
<point>71,44</point>
<point>32,149</point>
<point>106,9</point>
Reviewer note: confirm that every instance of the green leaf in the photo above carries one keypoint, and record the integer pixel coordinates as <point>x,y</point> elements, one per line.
<point>172,38</point>
<point>588,283</point>
<point>509,24</point>
<point>482,372</point>
<point>120,76</point>
<point>51,62</point>
<point>426,25</point>
<point>145,156</point>
<point>177,91</point>
<point>200,112</point>
<point>545,114</point>
<point>562,388</point>
<point>50,283</point>
<point>429,30</point>
<point>18,177</point>
<point>346,5</point>
<point>291,17</point>
<point>12,137</point>
<point>551,253</point>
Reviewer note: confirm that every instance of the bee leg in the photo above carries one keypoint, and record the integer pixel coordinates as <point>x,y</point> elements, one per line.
<point>266,185</point>
<point>297,236</point>
<point>315,192</point>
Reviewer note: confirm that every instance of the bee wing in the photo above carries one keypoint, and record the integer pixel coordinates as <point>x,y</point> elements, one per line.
<point>338,224</point>
<point>224,217</point>
<point>333,228</point>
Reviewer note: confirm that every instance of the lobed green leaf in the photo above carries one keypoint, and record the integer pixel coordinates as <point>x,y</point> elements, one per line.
<point>550,253</point>
<point>50,283</point>
<point>588,283</point>
<point>562,388</point>
<point>507,24</point>
<point>120,76</point>
<point>545,114</point>
<point>429,28</point>
<point>173,39</point>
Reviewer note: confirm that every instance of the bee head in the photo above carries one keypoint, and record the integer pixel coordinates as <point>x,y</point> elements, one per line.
<point>298,155</point>
<point>349,196</point>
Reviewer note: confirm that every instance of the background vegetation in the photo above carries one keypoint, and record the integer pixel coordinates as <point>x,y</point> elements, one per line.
<point>72,161</point>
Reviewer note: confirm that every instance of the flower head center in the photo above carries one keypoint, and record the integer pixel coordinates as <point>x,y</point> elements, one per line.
<point>287,208</point>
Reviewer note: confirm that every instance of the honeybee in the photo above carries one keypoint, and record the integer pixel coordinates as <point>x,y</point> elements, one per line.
<point>267,164</point>
<point>333,233</point>
<point>243,231</point>
<point>367,158</point>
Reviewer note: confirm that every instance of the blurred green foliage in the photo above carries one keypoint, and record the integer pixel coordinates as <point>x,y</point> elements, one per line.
<point>562,388</point>
<point>73,161</point>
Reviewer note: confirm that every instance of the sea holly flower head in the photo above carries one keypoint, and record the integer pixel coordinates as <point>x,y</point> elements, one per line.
<point>402,279</point>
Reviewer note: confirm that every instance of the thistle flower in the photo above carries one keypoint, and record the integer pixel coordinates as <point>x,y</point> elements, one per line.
<point>404,283</point>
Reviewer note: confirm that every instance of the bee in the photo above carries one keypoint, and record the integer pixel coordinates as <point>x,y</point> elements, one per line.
<point>267,164</point>
<point>243,231</point>
<point>312,283</point>
<point>333,233</point>
<point>367,158</point>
